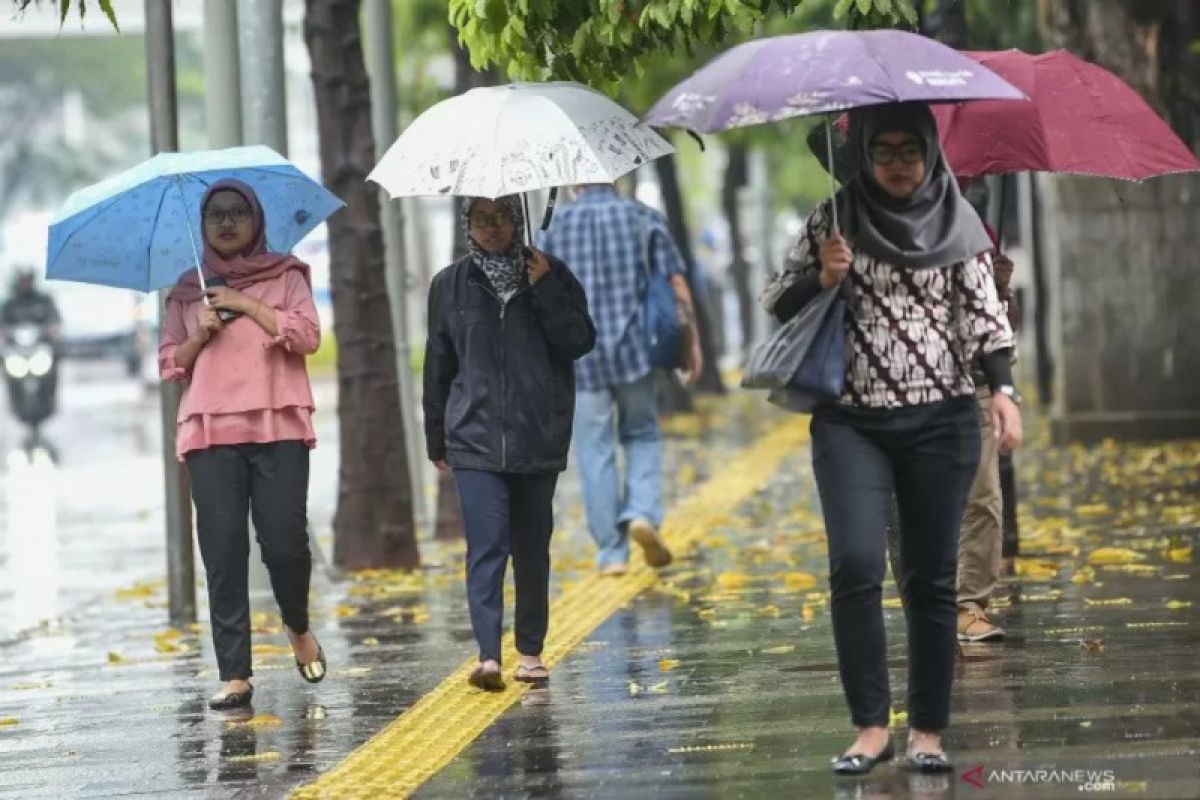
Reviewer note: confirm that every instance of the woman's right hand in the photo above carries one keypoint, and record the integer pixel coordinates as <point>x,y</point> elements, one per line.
<point>208,324</point>
<point>836,257</point>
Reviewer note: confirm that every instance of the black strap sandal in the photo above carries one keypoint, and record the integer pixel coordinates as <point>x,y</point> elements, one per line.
<point>859,764</point>
<point>486,680</point>
<point>929,763</point>
<point>314,671</point>
<point>224,701</point>
<point>530,675</point>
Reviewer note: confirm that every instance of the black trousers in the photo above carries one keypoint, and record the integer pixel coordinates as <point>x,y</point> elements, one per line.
<point>507,514</point>
<point>231,483</point>
<point>927,455</point>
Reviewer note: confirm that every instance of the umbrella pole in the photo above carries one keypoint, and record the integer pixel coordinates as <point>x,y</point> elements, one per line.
<point>1000,219</point>
<point>528,224</point>
<point>192,241</point>
<point>832,180</point>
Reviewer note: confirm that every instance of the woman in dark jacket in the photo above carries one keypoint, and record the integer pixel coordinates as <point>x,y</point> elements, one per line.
<point>924,308</point>
<point>506,323</point>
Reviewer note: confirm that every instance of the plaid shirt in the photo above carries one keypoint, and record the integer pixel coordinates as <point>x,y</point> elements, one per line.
<point>602,238</point>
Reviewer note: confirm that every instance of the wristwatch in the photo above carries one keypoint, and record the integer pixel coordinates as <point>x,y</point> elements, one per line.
<point>1010,392</point>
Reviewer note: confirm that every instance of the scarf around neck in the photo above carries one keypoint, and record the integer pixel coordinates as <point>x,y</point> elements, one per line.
<point>505,271</point>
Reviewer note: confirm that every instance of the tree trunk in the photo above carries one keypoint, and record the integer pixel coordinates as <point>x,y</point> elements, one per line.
<point>1124,272</point>
<point>947,23</point>
<point>736,176</point>
<point>668,179</point>
<point>448,525</point>
<point>373,525</point>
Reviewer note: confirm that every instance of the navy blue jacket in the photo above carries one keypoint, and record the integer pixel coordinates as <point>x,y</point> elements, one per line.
<point>500,378</point>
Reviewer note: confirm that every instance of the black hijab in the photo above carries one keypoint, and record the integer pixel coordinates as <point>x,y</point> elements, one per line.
<point>935,226</point>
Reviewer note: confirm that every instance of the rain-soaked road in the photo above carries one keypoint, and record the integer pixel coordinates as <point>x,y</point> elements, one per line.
<point>719,682</point>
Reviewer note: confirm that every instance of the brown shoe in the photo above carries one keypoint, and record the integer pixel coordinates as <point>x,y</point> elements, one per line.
<point>653,547</point>
<point>974,626</point>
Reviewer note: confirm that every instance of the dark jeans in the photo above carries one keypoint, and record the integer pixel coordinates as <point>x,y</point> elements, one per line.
<point>268,482</point>
<point>927,455</point>
<point>506,514</point>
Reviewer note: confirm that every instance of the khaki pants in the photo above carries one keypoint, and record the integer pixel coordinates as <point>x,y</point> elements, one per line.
<point>981,535</point>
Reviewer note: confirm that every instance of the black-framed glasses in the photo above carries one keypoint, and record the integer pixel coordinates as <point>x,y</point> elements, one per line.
<point>237,215</point>
<point>497,219</point>
<point>883,154</point>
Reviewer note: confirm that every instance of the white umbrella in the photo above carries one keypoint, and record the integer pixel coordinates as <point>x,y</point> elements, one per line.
<point>520,137</point>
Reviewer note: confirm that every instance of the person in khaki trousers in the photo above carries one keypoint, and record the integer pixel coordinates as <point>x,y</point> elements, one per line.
<point>982,531</point>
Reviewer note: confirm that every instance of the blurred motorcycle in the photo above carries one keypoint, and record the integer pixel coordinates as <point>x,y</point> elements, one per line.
<point>31,372</point>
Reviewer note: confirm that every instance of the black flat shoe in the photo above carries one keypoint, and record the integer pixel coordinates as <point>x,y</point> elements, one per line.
<point>860,764</point>
<point>928,763</point>
<point>314,671</point>
<point>228,700</point>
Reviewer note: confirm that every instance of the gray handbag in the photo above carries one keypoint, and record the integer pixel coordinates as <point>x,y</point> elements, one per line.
<point>803,362</point>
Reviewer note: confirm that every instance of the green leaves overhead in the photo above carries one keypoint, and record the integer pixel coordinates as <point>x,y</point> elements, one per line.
<point>600,42</point>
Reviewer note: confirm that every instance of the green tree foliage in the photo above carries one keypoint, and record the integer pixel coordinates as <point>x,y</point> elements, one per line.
<point>600,41</point>
<point>64,8</point>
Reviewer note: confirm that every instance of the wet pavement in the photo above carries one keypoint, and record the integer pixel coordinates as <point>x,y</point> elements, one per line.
<point>718,682</point>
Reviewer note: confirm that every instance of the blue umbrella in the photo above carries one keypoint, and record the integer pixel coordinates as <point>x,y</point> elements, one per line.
<point>141,229</point>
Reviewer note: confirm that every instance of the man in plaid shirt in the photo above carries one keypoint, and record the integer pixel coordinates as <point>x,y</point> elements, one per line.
<point>605,239</point>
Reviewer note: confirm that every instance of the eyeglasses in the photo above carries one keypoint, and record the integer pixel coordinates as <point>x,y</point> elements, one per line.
<point>497,219</point>
<point>884,154</point>
<point>236,215</point>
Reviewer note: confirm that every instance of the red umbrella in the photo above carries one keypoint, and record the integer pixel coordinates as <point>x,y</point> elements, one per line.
<point>1080,118</point>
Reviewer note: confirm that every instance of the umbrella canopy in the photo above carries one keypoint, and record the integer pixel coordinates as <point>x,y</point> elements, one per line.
<point>1082,120</point>
<point>520,137</point>
<point>821,71</point>
<point>141,228</point>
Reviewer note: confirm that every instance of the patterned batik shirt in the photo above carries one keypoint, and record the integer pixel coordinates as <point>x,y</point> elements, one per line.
<point>912,334</point>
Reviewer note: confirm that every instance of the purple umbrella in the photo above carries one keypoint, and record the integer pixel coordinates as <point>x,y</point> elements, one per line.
<point>819,72</point>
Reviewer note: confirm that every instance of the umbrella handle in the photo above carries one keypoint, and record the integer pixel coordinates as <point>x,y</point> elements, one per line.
<point>832,182</point>
<point>549,213</point>
<point>192,241</point>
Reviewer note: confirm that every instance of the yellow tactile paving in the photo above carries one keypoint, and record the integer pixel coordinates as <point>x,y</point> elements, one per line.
<point>422,740</point>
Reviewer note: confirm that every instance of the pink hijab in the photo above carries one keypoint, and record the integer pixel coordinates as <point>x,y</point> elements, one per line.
<point>252,265</point>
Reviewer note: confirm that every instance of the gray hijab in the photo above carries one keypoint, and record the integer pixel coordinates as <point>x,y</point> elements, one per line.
<point>505,271</point>
<point>935,226</point>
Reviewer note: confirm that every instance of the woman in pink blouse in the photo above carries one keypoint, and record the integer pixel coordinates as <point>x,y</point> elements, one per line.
<point>245,425</point>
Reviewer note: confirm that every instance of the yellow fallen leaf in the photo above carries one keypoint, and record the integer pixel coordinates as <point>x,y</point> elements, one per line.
<point>1114,555</point>
<point>24,687</point>
<point>1084,575</point>
<point>897,717</point>
<point>114,657</point>
<point>807,613</point>
<point>1132,569</point>
<point>732,580</point>
<point>163,646</point>
<point>634,689</point>
<point>257,758</point>
<point>1093,510</point>
<point>668,664</point>
<point>893,602</point>
<point>799,581</point>
<point>770,610</point>
<point>1108,601</point>
<point>658,688</point>
<point>140,590</point>
<point>266,649</point>
<point>370,641</point>
<point>706,613</point>
<point>1180,555</point>
<point>780,649</point>
<point>345,611</point>
<point>258,721</point>
<point>1036,568</point>
<point>169,635</point>
<point>1176,604</point>
<point>8,722</point>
